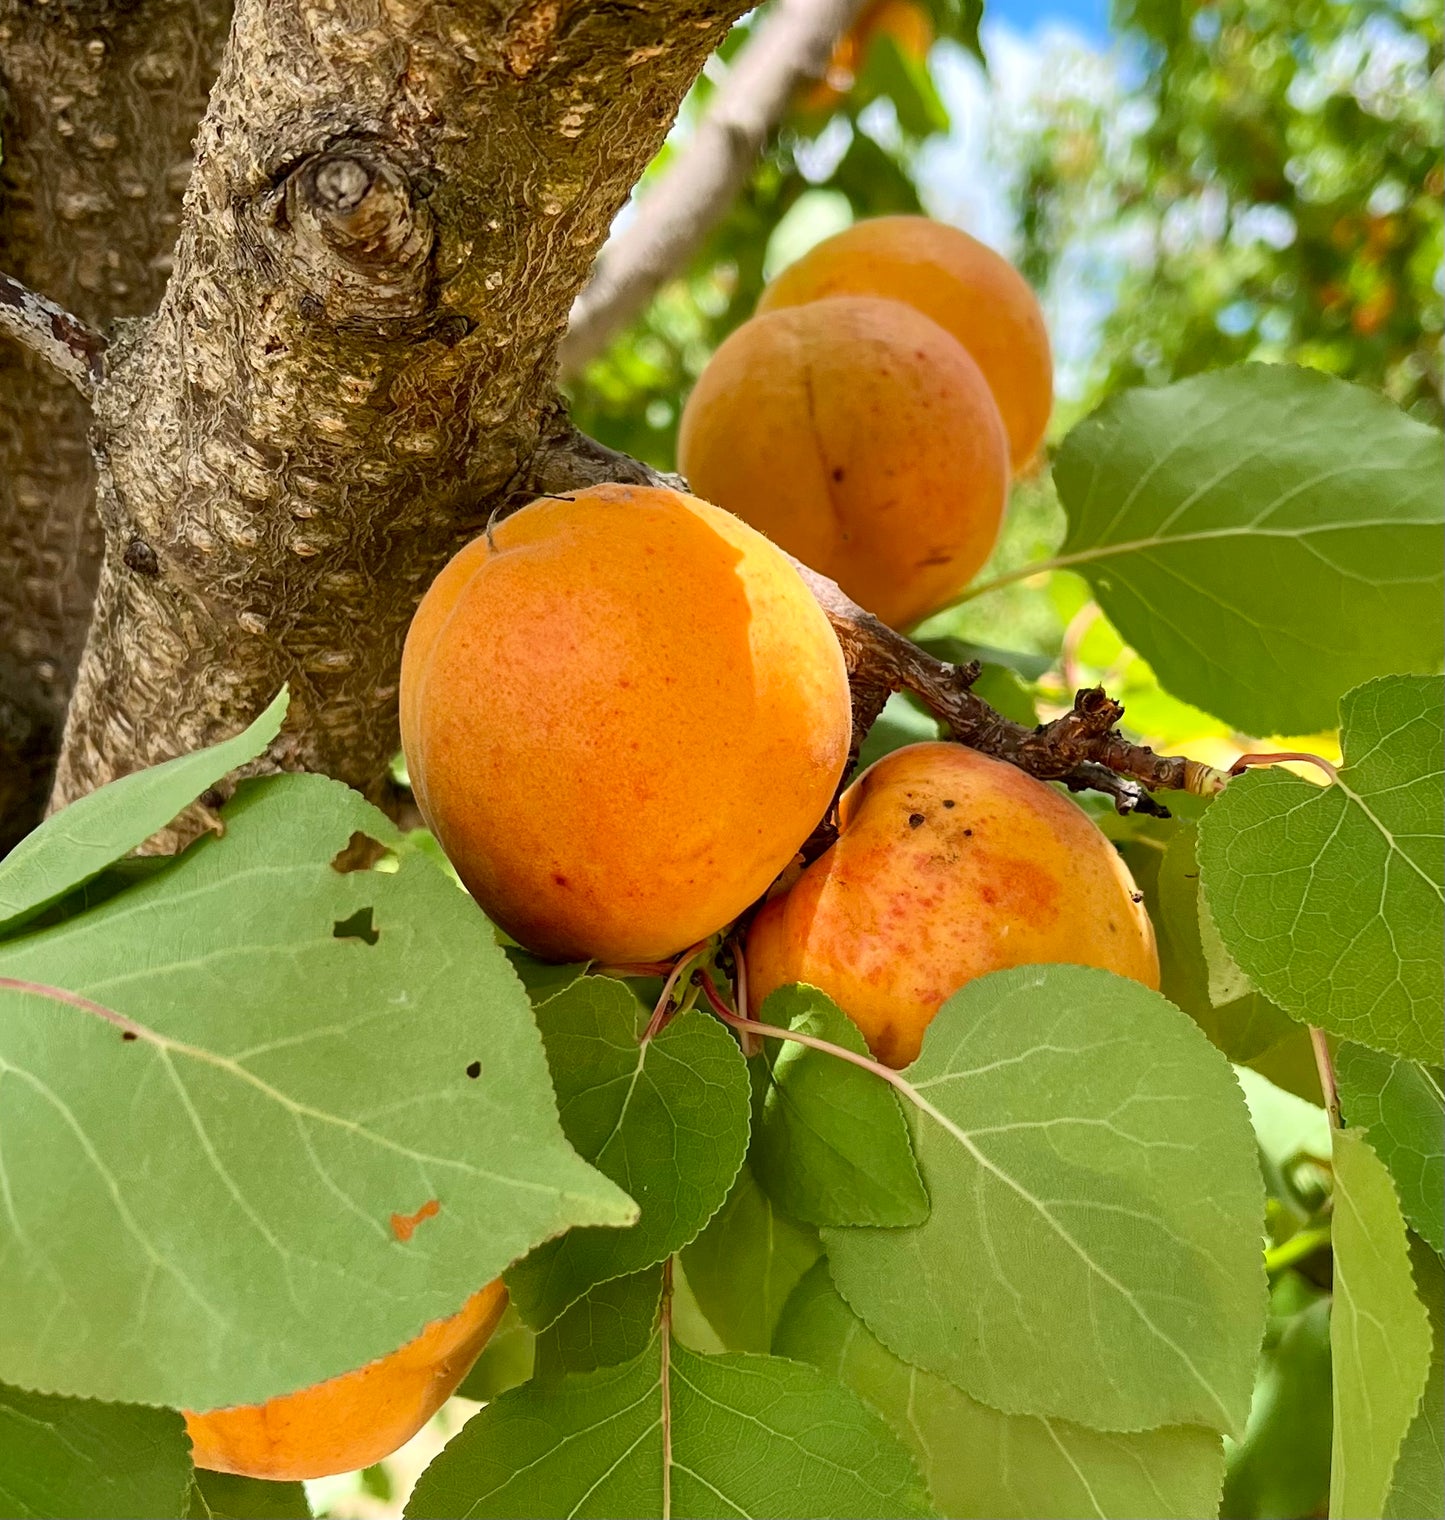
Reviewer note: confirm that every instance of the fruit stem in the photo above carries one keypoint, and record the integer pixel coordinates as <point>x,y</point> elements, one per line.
<point>751,1044</point>
<point>661,1011</point>
<point>1274,758</point>
<point>1326,1068</point>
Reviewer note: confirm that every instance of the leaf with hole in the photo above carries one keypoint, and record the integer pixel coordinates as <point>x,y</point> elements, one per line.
<point>980,1463</point>
<point>831,1143</point>
<point>1191,505</point>
<point>748,1436</point>
<point>1093,1249</point>
<point>1332,899</point>
<point>666,1120</point>
<point>243,1154</point>
<point>79,842</point>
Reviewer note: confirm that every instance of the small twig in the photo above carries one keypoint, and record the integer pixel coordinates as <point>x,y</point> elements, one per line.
<point>1275,758</point>
<point>62,340</point>
<point>673,219</point>
<point>1326,1068</point>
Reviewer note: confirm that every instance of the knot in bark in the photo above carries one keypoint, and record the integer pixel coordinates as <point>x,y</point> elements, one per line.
<point>361,238</point>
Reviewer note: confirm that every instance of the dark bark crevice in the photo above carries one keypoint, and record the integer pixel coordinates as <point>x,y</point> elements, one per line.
<point>98,105</point>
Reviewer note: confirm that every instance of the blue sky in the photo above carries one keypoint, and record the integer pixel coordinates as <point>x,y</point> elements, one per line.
<point>1090,18</point>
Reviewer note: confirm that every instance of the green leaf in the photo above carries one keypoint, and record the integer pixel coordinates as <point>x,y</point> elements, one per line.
<point>1417,1486</point>
<point>745,1264</point>
<point>507,1360</point>
<point>1282,1466</point>
<point>978,1462</point>
<point>1403,1107</point>
<point>1332,898</point>
<point>831,1144</point>
<point>224,1496</point>
<point>65,1457</point>
<point>1243,1023</point>
<point>750,1436</point>
<point>220,1209</point>
<point>1092,1253</point>
<point>612,1324</point>
<point>901,722</point>
<point>1380,1334</point>
<point>96,830</point>
<point>1266,537</point>
<point>667,1120</point>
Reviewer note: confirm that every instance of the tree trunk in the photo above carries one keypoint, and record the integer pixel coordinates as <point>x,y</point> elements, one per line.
<point>394,204</point>
<point>98,105</point>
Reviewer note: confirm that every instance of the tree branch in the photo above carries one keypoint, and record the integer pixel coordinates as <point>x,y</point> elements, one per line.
<point>673,220</point>
<point>1082,749</point>
<point>64,342</point>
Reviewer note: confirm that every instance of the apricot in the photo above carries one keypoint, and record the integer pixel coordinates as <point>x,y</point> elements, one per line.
<point>967,288</point>
<point>907,23</point>
<point>357,1418</point>
<point>948,865</point>
<point>622,713</point>
<point>861,437</point>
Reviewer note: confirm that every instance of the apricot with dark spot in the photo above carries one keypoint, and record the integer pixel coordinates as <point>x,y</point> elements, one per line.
<point>897,916</point>
<point>858,435</point>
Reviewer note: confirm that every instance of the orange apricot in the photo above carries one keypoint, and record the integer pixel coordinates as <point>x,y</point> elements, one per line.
<point>906,22</point>
<point>861,437</point>
<point>967,288</point>
<point>622,712</point>
<point>948,865</point>
<point>355,1419</point>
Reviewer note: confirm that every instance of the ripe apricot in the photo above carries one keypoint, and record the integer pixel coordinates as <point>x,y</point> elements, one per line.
<point>622,713</point>
<point>948,865</point>
<point>967,288</point>
<point>906,22</point>
<point>862,438</point>
<point>357,1418</point>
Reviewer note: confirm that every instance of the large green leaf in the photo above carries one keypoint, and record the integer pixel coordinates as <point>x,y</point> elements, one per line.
<point>60,1458</point>
<point>832,1144</point>
<point>745,1264</point>
<point>1093,1249</point>
<point>1266,537</point>
<point>282,1118</point>
<point>980,1463</point>
<point>1403,1107</point>
<point>666,1120</point>
<point>96,830</point>
<point>1332,899</point>
<point>1417,1486</point>
<point>1380,1333</point>
<point>749,1436</point>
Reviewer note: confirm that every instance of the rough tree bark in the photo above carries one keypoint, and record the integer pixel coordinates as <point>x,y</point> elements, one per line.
<point>98,105</point>
<point>393,207</point>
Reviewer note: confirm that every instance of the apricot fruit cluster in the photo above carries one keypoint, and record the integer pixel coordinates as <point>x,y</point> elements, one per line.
<point>948,865</point>
<point>353,1420</point>
<point>868,417</point>
<point>622,713</point>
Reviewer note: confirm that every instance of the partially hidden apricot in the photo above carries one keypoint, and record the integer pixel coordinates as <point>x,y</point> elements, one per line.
<point>861,437</point>
<point>967,288</point>
<point>355,1419</point>
<point>948,865</point>
<point>622,713</point>
<point>907,23</point>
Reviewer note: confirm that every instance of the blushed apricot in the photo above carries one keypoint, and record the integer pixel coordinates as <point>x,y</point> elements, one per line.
<point>622,714</point>
<point>948,865</point>
<point>861,437</point>
<point>967,288</point>
<point>357,1418</point>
